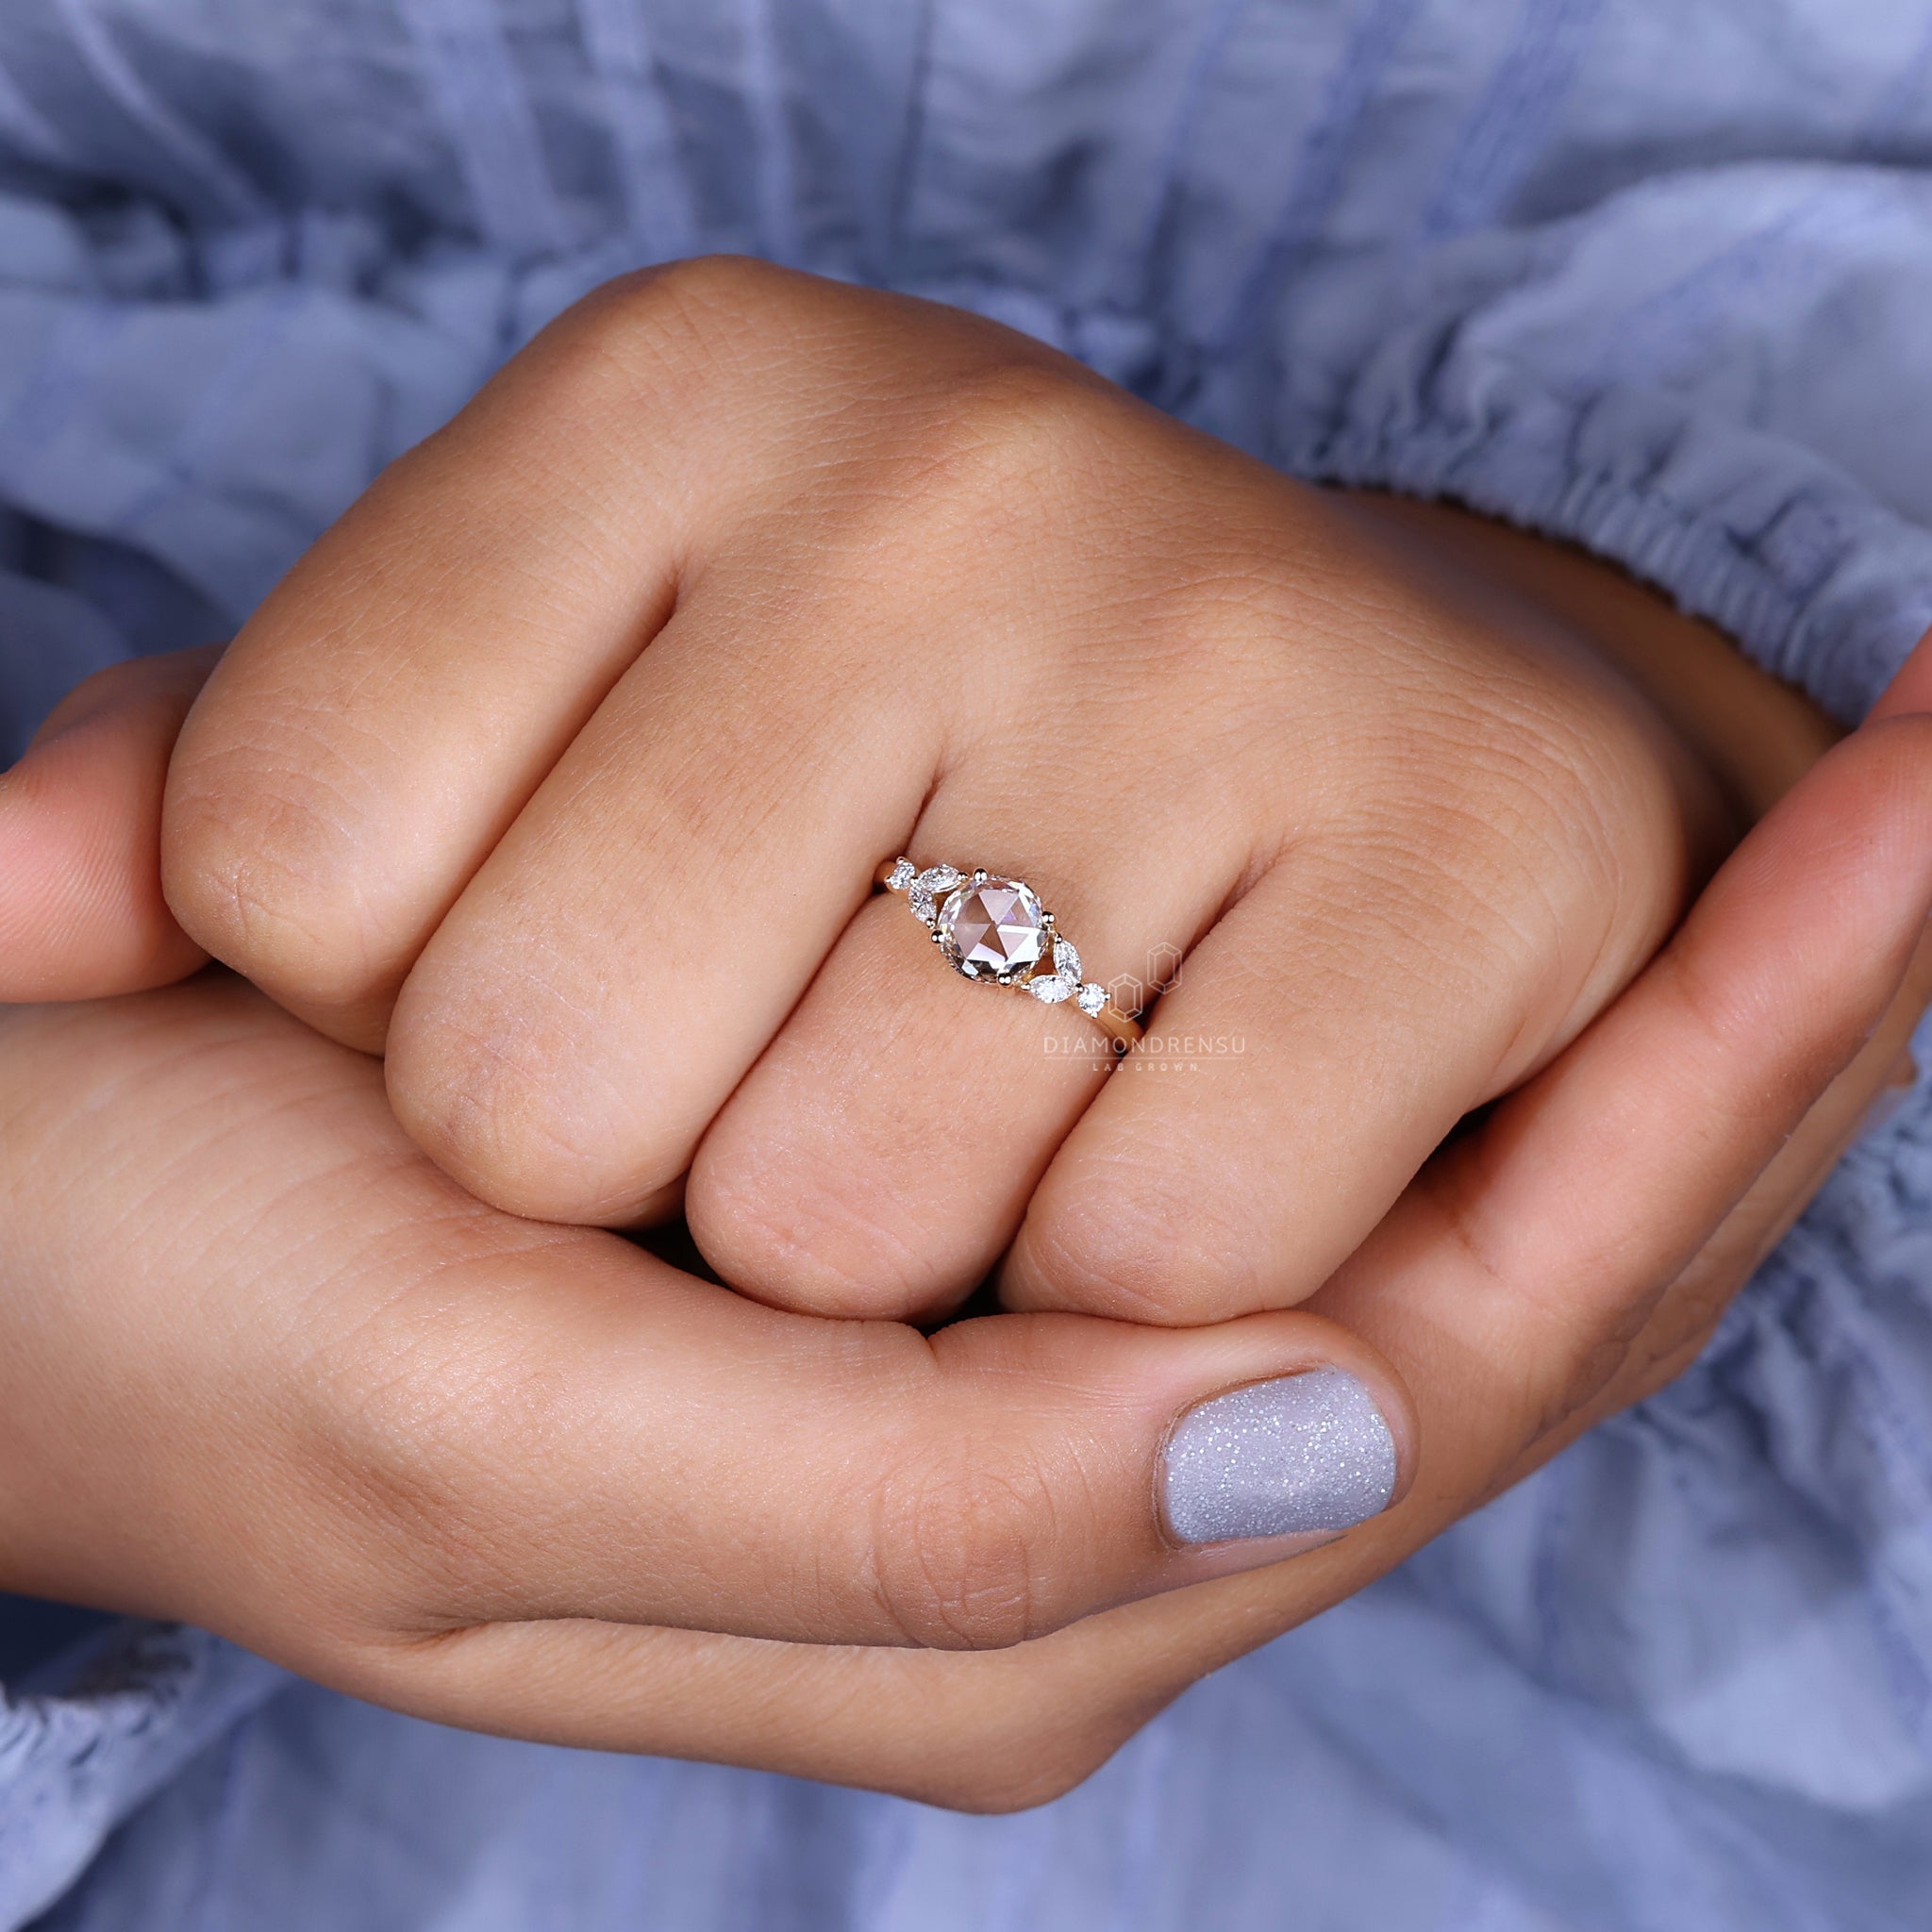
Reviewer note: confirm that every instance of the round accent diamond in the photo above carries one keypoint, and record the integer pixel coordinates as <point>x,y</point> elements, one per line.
<point>1091,997</point>
<point>902,875</point>
<point>993,930</point>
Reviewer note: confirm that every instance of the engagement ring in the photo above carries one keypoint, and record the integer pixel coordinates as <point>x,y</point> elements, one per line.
<point>996,931</point>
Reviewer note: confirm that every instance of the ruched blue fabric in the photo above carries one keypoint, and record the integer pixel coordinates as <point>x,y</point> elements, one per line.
<point>1650,275</point>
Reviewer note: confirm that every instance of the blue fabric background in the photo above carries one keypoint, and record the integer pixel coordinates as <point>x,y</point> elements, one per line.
<point>1648,273</point>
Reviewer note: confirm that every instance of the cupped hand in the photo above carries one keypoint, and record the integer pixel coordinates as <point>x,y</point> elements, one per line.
<point>263,1365</point>
<point>262,1359</point>
<point>560,768</point>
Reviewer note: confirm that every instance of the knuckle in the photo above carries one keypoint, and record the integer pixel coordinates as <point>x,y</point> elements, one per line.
<point>1540,872</point>
<point>259,866</point>
<point>679,325</point>
<point>1574,792</point>
<point>1003,436</point>
<point>1161,1247</point>
<point>954,1549</point>
<point>808,1235</point>
<point>1113,1276</point>
<point>1516,802</point>
<point>699,291</point>
<point>497,1096</point>
<point>1506,743</point>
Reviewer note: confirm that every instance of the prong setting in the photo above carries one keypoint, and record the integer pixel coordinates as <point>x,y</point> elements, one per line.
<point>994,930</point>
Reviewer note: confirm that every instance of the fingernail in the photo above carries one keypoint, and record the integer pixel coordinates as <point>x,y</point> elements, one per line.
<point>1307,1452</point>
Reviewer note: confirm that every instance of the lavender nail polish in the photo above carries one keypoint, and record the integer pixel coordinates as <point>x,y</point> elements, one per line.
<point>1307,1452</point>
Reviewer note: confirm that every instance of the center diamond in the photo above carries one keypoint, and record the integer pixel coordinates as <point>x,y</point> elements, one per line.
<point>993,930</point>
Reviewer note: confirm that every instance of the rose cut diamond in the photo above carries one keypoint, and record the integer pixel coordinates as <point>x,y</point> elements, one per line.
<point>993,930</point>
<point>996,930</point>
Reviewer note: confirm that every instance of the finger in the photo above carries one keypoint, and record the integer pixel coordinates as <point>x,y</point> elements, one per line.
<point>386,711</point>
<point>1392,972</point>
<point>1871,1087</point>
<point>879,1156</point>
<point>1874,1083</point>
<point>951,1729</point>
<point>637,937</point>
<point>708,1466</point>
<point>465,1418</point>
<point>1516,1276</point>
<point>386,714</point>
<point>1340,1014</point>
<point>641,933</point>
<point>988,1732</point>
<point>1017,1727</point>
<point>81,912</point>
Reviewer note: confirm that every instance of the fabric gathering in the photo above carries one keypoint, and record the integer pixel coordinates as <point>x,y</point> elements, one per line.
<point>1649,280</point>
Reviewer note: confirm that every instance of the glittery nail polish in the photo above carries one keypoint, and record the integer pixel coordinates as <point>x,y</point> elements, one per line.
<point>1303,1453</point>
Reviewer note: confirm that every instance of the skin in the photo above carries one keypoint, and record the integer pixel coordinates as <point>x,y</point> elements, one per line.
<point>614,694</point>
<point>80,825</point>
<point>267,1366</point>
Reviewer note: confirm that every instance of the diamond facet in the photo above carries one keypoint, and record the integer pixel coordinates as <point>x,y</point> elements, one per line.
<point>1091,998</point>
<point>991,929</point>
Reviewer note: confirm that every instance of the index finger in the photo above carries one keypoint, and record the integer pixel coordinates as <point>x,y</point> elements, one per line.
<point>1512,1278</point>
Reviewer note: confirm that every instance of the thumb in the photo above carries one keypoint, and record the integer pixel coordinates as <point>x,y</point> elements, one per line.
<point>81,912</point>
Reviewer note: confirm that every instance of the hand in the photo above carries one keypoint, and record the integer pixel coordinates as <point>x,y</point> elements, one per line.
<point>561,767</point>
<point>263,1366</point>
